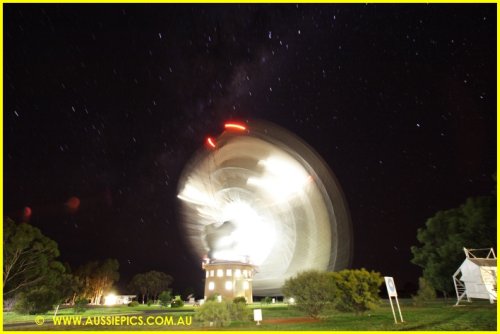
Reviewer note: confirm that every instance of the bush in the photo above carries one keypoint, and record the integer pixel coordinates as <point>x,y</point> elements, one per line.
<point>213,298</point>
<point>80,305</point>
<point>426,292</point>
<point>150,302</point>
<point>357,290</point>
<point>36,301</point>
<point>240,299</point>
<point>165,298</point>
<point>266,300</point>
<point>239,311</point>
<point>177,302</point>
<point>312,291</point>
<point>213,313</point>
<point>133,304</point>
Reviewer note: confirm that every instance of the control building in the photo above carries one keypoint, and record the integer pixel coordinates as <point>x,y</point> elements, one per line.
<point>229,279</point>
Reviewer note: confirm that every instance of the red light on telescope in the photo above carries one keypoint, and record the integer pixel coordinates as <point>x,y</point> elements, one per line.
<point>235,126</point>
<point>211,142</point>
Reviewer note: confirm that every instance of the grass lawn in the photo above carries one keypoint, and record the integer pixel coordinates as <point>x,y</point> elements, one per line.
<point>479,315</point>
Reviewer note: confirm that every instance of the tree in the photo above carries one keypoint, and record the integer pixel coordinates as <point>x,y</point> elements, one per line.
<point>29,258</point>
<point>425,293</point>
<point>157,282</point>
<point>472,225</point>
<point>151,283</point>
<point>357,290</point>
<point>165,298</point>
<point>97,278</point>
<point>312,291</point>
<point>140,283</point>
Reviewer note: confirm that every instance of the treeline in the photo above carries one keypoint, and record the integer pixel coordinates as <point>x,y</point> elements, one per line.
<point>34,280</point>
<point>150,284</point>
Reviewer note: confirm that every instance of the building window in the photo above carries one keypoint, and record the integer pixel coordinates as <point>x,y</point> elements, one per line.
<point>245,273</point>
<point>237,272</point>
<point>211,286</point>
<point>211,273</point>
<point>229,285</point>
<point>246,286</point>
<point>207,273</point>
<point>229,272</point>
<point>220,272</point>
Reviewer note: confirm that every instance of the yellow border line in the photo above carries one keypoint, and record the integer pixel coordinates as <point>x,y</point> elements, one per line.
<point>250,2</point>
<point>228,2</point>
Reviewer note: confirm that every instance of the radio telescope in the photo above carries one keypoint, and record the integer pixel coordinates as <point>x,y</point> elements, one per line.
<point>258,194</point>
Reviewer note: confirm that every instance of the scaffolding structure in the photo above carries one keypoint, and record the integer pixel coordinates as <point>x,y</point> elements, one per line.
<point>477,276</point>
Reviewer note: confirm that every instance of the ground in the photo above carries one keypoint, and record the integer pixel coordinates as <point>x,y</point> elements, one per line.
<point>440,315</point>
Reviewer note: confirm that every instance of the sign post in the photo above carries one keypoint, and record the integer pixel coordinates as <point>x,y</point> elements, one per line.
<point>257,316</point>
<point>391,291</point>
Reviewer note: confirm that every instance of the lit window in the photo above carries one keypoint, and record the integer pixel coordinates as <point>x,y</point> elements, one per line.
<point>229,285</point>
<point>211,286</point>
<point>220,272</point>
<point>246,286</point>
<point>211,273</point>
<point>237,272</point>
<point>207,273</point>
<point>229,272</point>
<point>245,273</point>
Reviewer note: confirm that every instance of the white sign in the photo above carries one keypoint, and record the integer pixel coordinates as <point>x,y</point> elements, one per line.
<point>257,315</point>
<point>391,290</point>
<point>391,287</point>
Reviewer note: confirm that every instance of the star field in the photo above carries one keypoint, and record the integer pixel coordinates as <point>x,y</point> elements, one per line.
<point>107,103</point>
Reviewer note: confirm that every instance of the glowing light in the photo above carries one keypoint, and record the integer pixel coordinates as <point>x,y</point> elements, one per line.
<point>110,299</point>
<point>194,195</point>
<point>229,285</point>
<point>27,213</point>
<point>249,226</point>
<point>246,286</point>
<point>211,286</point>
<point>73,203</point>
<point>235,126</point>
<point>211,142</point>
<point>282,178</point>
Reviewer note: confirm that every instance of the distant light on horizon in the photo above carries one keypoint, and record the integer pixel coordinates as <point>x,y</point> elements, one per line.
<point>110,299</point>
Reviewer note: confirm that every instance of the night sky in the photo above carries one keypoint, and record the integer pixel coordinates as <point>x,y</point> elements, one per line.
<point>106,104</point>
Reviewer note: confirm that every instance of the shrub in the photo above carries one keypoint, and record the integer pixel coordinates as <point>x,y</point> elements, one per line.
<point>165,298</point>
<point>133,304</point>
<point>150,302</point>
<point>239,311</point>
<point>312,291</point>
<point>80,305</point>
<point>213,298</point>
<point>36,301</point>
<point>357,290</point>
<point>240,299</point>
<point>177,302</point>
<point>213,313</point>
<point>266,300</point>
<point>426,292</point>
